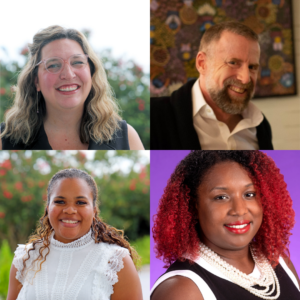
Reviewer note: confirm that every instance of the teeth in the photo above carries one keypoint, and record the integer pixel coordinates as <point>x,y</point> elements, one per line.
<point>69,88</point>
<point>237,226</point>
<point>69,221</point>
<point>236,89</point>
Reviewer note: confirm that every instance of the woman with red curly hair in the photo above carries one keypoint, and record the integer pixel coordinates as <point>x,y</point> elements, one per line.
<point>223,228</point>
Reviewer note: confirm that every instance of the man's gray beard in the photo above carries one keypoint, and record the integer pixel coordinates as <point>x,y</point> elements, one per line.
<point>230,104</point>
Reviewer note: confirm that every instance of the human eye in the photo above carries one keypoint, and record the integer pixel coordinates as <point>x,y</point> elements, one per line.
<point>59,201</point>
<point>250,195</point>
<point>253,67</point>
<point>81,202</point>
<point>221,197</point>
<point>53,64</point>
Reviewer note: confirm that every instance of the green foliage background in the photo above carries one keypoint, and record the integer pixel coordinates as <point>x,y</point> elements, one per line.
<point>129,82</point>
<point>122,178</point>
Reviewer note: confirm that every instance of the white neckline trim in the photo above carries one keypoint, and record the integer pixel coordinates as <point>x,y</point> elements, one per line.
<point>77,244</point>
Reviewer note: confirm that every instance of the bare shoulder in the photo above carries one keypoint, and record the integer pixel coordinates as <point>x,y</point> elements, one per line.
<point>128,285</point>
<point>135,142</point>
<point>292,268</point>
<point>177,288</point>
<point>15,286</point>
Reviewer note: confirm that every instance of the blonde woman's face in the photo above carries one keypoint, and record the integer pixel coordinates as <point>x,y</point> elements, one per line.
<point>71,209</point>
<point>68,89</point>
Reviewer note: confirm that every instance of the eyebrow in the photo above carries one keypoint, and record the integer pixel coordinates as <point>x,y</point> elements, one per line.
<point>225,188</point>
<point>61,197</point>
<point>240,61</point>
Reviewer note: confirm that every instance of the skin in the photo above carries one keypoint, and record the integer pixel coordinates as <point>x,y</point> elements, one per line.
<point>72,199</point>
<point>235,58</point>
<point>226,195</point>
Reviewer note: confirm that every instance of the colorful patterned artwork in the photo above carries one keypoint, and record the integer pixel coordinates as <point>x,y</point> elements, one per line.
<point>177,26</point>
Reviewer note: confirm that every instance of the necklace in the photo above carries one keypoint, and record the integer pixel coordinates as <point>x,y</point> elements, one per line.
<point>266,279</point>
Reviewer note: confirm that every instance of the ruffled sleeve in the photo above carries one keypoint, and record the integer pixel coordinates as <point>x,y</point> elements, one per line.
<point>111,262</point>
<point>20,253</point>
<point>18,262</point>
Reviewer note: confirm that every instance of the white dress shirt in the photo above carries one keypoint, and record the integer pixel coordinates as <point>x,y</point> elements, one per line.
<point>215,135</point>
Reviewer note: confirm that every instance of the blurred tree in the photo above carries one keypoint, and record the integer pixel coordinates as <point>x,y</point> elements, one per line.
<point>24,175</point>
<point>129,82</point>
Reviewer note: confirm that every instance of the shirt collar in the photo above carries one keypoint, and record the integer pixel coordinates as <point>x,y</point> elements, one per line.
<point>251,115</point>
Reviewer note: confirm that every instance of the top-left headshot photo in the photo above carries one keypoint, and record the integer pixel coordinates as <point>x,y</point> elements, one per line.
<point>75,76</point>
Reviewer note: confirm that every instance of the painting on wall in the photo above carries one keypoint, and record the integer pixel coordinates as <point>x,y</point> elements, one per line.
<point>177,26</point>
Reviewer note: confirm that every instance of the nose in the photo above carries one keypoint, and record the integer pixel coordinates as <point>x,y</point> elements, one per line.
<point>67,72</point>
<point>239,206</point>
<point>70,210</point>
<point>243,74</point>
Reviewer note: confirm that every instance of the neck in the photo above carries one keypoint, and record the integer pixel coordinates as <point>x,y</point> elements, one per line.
<point>230,120</point>
<point>63,121</point>
<point>240,258</point>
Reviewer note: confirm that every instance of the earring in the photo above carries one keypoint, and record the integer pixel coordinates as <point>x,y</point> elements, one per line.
<point>37,102</point>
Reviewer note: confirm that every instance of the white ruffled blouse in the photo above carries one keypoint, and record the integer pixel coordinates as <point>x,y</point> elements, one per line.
<point>78,270</point>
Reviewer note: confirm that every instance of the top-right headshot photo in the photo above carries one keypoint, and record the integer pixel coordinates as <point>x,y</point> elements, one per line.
<point>224,75</point>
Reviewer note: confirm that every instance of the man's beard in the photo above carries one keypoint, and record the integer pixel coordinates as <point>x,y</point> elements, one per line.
<point>229,103</point>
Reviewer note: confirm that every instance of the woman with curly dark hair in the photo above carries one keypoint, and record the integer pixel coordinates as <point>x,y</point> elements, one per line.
<point>74,254</point>
<point>223,228</point>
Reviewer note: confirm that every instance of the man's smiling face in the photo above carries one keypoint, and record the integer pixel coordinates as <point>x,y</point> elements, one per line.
<point>232,70</point>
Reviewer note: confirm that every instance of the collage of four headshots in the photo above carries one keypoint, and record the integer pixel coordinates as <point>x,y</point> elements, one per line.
<point>158,164</point>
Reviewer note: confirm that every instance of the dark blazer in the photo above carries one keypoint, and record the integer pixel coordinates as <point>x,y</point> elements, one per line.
<point>119,141</point>
<point>171,123</point>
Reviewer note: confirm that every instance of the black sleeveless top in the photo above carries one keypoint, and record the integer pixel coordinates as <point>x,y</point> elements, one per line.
<point>226,290</point>
<point>119,141</point>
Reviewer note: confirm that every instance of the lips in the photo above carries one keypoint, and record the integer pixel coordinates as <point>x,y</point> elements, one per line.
<point>239,227</point>
<point>239,223</point>
<point>68,88</point>
<point>237,89</point>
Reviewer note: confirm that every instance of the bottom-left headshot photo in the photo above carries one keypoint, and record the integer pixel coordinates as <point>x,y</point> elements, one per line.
<point>74,225</point>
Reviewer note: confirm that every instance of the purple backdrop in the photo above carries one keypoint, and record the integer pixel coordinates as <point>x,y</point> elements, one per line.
<point>163,164</point>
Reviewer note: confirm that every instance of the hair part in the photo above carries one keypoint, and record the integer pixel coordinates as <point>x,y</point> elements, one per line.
<point>100,117</point>
<point>214,33</point>
<point>176,225</point>
<point>100,231</point>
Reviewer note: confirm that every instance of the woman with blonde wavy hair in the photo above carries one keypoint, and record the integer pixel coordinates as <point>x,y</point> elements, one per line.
<point>74,254</point>
<point>63,99</point>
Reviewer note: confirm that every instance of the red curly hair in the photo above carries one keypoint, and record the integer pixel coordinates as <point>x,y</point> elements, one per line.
<point>175,225</point>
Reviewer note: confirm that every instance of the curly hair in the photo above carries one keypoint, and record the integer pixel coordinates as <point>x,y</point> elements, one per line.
<point>100,114</point>
<point>100,231</point>
<point>176,225</point>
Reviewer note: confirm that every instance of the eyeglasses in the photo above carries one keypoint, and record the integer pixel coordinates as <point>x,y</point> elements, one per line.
<point>55,64</point>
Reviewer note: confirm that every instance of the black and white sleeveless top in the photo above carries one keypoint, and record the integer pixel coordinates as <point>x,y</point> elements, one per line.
<point>214,285</point>
<point>119,141</point>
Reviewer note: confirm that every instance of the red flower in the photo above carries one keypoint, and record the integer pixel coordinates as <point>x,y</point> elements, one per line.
<point>6,164</point>
<point>132,185</point>
<point>24,51</point>
<point>44,197</point>
<point>41,184</point>
<point>7,194</point>
<point>2,172</point>
<point>19,185</point>
<point>26,198</point>
<point>82,154</point>
<point>143,173</point>
<point>2,214</point>
<point>2,91</point>
<point>141,106</point>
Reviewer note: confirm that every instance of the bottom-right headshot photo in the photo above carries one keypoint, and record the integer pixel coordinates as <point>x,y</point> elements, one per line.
<point>225,225</point>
